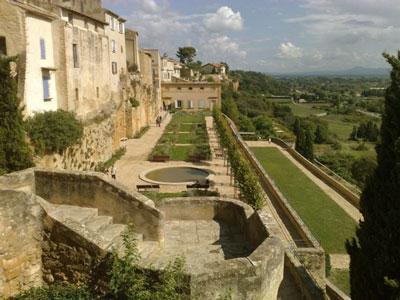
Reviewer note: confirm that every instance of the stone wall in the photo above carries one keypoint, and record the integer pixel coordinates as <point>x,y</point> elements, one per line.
<point>259,280</point>
<point>97,191</point>
<point>20,245</point>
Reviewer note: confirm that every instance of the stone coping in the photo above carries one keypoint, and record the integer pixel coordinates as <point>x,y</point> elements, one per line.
<point>143,175</point>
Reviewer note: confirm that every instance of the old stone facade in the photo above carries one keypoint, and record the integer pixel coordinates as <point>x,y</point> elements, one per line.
<point>191,95</point>
<point>73,55</point>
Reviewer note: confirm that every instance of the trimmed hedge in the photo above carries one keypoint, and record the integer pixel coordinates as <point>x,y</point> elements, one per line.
<point>53,131</point>
<point>247,180</point>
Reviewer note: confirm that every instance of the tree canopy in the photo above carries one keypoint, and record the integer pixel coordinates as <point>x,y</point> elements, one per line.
<point>375,259</point>
<point>186,55</point>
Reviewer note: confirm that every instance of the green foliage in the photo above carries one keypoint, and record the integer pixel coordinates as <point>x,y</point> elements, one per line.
<point>230,109</point>
<point>321,134</point>
<point>129,281</point>
<point>14,152</point>
<point>53,131</point>
<point>264,126</point>
<point>367,131</point>
<point>135,103</point>
<point>375,259</point>
<point>362,169</point>
<point>246,124</point>
<point>242,170</point>
<point>305,142</point>
<point>186,54</point>
<point>56,292</point>
<point>101,167</point>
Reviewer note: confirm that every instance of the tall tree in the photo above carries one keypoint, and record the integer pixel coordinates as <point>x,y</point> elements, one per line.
<point>14,152</point>
<point>375,253</point>
<point>230,108</point>
<point>186,54</point>
<point>304,142</point>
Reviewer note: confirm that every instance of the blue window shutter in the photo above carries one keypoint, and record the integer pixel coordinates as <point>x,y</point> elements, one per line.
<point>42,49</point>
<point>46,91</point>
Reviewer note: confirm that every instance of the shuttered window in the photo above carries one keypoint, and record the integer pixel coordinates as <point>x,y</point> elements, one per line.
<point>75,55</point>
<point>46,84</point>
<point>42,49</point>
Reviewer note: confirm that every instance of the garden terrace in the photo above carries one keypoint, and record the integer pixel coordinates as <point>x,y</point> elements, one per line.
<point>185,138</point>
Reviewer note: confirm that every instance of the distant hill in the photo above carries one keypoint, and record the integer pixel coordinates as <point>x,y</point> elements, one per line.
<point>356,71</point>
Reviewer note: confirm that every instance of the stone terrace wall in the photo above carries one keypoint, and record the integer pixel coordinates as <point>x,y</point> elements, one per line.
<point>261,279</point>
<point>96,191</point>
<point>20,245</point>
<point>213,208</point>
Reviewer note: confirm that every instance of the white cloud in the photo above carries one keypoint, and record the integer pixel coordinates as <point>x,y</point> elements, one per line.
<point>150,6</point>
<point>288,50</point>
<point>225,19</point>
<point>222,46</point>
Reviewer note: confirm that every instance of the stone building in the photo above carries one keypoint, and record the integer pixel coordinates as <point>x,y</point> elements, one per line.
<point>219,69</point>
<point>170,69</point>
<point>27,31</point>
<point>191,95</point>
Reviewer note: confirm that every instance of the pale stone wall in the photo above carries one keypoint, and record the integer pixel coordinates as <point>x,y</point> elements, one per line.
<point>37,29</point>
<point>20,245</point>
<point>132,47</point>
<point>203,95</point>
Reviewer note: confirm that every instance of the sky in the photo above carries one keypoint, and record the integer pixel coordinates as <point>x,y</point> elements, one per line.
<point>272,36</point>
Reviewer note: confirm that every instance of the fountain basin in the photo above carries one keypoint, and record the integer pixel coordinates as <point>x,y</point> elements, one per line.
<point>176,175</point>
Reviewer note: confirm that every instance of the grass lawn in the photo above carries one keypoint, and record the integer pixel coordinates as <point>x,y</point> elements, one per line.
<point>329,224</point>
<point>304,110</point>
<point>196,137</point>
<point>184,138</point>
<point>341,278</point>
<point>180,152</point>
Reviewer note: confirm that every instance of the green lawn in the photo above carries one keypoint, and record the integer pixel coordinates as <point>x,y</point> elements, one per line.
<point>196,138</point>
<point>304,110</point>
<point>341,278</point>
<point>180,152</point>
<point>329,224</point>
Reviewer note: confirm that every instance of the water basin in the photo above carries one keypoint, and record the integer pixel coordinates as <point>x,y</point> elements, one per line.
<point>176,175</point>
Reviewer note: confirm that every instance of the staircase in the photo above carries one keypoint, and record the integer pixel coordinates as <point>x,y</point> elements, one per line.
<point>87,223</point>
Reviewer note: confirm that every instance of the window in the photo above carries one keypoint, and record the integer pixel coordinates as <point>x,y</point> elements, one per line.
<point>190,88</point>
<point>3,46</point>
<point>122,49</point>
<point>190,103</point>
<point>112,24</point>
<point>77,94</point>
<point>202,88</point>
<point>42,49</point>
<point>75,55</point>
<point>98,92</point>
<point>70,18</point>
<point>179,88</point>
<point>178,104</point>
<point>113,46</point>
<point>46,85</point>
<point>114,68</point>
<point>202,103</point>
<point>121,27</point>
<point>86,24</point>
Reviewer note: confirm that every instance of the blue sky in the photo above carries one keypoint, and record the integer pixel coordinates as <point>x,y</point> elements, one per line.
<point>269,35</point>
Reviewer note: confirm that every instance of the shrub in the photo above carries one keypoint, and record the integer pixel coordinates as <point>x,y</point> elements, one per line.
<point>56,291</point>
<point>101,167</point>
<point>14,151</point>
<point>53,131</point>
<point>134,102</point>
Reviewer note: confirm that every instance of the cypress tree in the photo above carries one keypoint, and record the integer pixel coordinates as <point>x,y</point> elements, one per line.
<point>375,253</point>
<point>14,152</point>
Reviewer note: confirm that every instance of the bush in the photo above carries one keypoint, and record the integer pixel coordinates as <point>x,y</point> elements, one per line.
<point>53,131</point>
<point>134,102</point>
<point>101,167</point>
<point>56,291</point>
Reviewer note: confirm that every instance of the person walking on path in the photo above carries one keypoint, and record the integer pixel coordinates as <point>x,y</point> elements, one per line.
<point>114,172</point>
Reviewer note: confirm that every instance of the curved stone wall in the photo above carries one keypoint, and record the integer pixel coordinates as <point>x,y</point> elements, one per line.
<point>95,190</point>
